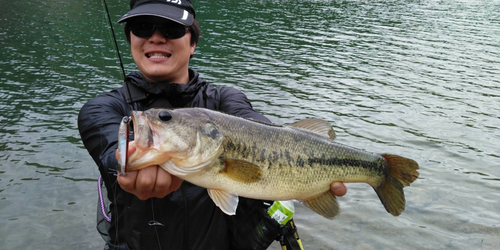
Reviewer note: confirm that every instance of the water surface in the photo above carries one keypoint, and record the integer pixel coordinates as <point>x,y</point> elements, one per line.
<point>414,78</point>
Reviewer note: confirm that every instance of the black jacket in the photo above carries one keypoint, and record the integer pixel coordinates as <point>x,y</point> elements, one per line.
<point>186,218</point>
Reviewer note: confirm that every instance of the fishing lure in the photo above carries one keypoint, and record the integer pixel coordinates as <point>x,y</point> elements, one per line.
<point>123,132</point>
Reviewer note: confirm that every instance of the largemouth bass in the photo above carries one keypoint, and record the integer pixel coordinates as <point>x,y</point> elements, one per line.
<point>232,156</point>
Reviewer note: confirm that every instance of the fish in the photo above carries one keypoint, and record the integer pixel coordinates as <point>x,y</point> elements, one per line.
<point>236,157</point>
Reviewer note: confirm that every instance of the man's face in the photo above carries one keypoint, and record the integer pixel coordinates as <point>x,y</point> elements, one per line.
<point>160,58</point>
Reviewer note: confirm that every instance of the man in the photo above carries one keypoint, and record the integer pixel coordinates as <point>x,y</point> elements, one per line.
<point>151,209</point>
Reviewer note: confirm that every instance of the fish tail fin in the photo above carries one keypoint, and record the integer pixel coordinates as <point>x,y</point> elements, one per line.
<point>401,172</point>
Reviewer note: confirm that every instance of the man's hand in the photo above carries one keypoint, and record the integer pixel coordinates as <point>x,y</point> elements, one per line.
<point>148,182</point>
<point>338,188</point>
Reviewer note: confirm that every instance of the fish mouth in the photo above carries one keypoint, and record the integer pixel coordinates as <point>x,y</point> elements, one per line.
<point>143,133</point>
<point>145,154</point>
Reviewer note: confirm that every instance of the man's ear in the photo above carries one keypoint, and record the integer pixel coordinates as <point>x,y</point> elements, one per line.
<point>193,46</point>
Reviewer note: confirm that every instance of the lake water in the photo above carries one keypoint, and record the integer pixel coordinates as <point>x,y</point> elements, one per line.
<point>413,78</point>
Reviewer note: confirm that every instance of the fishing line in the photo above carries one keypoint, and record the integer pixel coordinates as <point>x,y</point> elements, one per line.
<point>114,38</point>
<point>155,223</point>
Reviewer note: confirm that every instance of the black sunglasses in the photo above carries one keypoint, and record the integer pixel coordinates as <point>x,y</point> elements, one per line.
<point>167,30</point>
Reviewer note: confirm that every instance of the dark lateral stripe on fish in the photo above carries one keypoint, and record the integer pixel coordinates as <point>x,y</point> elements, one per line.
<point>277,157</point>
<point>335,161</point>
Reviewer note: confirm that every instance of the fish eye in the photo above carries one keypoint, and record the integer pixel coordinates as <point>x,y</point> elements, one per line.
<point>165,116</point>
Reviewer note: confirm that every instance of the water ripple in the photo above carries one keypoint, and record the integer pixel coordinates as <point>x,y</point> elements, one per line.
<point>416,78</point>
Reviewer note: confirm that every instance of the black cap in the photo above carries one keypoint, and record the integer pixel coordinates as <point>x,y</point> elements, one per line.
<point>180,11</point>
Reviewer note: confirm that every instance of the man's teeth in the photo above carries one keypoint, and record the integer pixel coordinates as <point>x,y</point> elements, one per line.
<point>158,55</point>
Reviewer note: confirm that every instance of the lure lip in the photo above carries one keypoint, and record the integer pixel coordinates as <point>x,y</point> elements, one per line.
<point>123,139</point>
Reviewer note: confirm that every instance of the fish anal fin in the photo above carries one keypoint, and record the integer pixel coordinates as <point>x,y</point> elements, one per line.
<point>401,172</point>
<point>227,202</point>
<point>241,170</point>
<point>325,204</point>
<point>317,126</point>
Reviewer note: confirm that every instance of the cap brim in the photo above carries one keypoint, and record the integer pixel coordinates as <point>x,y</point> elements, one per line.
<point>166,11</point>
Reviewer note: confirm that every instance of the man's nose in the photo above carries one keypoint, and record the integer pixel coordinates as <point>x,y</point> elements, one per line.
<point>157,37</point>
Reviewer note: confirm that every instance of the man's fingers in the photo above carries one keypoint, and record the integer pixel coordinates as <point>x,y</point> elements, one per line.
<point>162,185</point>
<point>131,148</point>
<point>127,182</point>
<point>145,182</point>
<point>176,183</point>
<point>338,188</point>
<point>165,183</point>
<point>149,182</point>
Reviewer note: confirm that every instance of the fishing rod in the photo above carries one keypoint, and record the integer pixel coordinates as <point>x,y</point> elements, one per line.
<point>124,128</point>
<point>114,39</point>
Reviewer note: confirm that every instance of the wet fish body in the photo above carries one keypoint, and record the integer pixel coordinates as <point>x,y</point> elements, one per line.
<point>232,156</point>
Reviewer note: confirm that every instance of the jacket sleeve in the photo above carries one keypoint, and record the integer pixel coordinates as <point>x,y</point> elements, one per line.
<point>98,123</point>
<point>234,102</point>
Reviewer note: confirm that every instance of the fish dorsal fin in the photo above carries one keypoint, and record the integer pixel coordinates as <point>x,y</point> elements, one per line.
<point>317,126</point>
<point>225,201</point>
<point>325,204</point>
<point>241,170</point>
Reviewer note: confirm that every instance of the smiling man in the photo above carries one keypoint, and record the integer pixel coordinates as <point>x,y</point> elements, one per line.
<point>149,208</point>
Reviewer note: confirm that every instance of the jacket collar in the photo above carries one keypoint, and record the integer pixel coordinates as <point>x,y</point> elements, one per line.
<point>140,88</point>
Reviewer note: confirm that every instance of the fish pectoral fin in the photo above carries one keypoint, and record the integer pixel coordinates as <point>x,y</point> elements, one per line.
<point>180,171</point>
<point>227,202</point>
<point>241,170</point>
<point>317,126</point>
<point>325,204</point>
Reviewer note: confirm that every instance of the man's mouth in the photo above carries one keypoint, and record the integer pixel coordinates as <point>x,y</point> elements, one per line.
<point>158,55</point>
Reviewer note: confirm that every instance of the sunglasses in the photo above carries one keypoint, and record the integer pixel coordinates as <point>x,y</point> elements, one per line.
<point>167,30</point>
